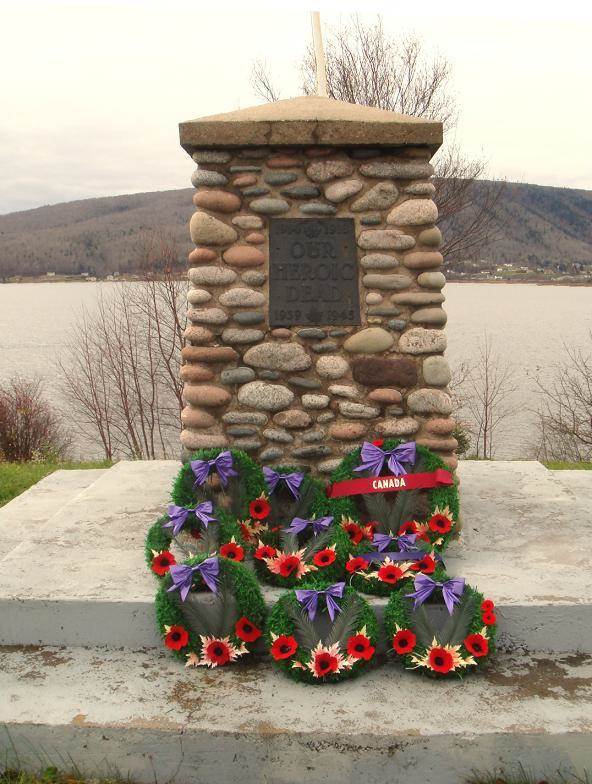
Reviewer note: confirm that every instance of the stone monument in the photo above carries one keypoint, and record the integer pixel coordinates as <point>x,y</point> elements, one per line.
<point>315,308</point>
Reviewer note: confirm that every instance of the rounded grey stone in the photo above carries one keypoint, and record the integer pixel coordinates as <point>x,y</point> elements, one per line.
<point>373,298</point>
<point>239,431</point>
<point>328,466</point>
<point>244,168</point>
<point>208,316</point>
<point>244,418</point>
<point>313,436</point>
<point>339,332</point>
<point>198,296</point>
<point>237,336</point>
<point>317,208</point>
<point>207,230</point>
<point>265,397</point>
<point>380,197</point>
<point>421,189</point>
<point>271,453</point>
<point>247,317</point>
<point>247,222</point>
<point>238,375</point>
<point>325,416</point>
<point>300,191</point>
<point>254,152</point>
<point>433,316</point>
<point>371,340</point>
<point>280,178</point>
<point>429,401</point>
<point>311,332</point>
<point>404,426</point>
<point>386,282</point>
<point>340,191</point>
<point>381,261</point>
<point>206,177</point>
<point>325,171</point>
<point>344,390</point>
<point>211,276</point>
<point>332,367</point>
<point>405,170</point>
<point>276,434</point>
<point>357,410</point>
<point>436,372</point>
<point>315,401</point>
<point>211,156</point>
<point>324,348</point>
<point>422,341</point>
<point>308,452</point>
<point>304,383</point>
<point>383,310</point>
<point>385,239</point>
<point>394,411</point>
<point>254,278</point>
<point>372,219</point>
<point>246,444</point>
<point>269,375</point>
<point>398,325</point>
<point>278,356</point>
<point>413,212</point>
<point>418,298</point>
<point>239,297</point>
<point>431,280</point>
<point>269,206</point>
<point>255,190</point>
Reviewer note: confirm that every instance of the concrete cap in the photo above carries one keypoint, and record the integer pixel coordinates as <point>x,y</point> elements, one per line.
<point>309,120</point>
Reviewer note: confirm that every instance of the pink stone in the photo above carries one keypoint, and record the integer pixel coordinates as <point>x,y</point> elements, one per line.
<point>196,373</point>
<point>281,332</point>
<point>195,417</point>
<point>440,427</point>
<point>293,418</point>
<point>244,179</point>
<point>201,256</point>
<point>192,440</point>
<point>206,395</point>
<point>244,256</point>
<point>255,238</point>
<point>385,395</point>
<point>347,430</point>
<point>439,444</point>
<point>198,335</point>
<point>217,201</point>
<point>208,354</point>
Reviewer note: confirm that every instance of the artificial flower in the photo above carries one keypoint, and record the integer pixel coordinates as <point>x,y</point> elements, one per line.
<point>264,551</point>
<point>360,647</point>
<point>283,646</point>
<point>369,530</point>
<point>219,651</point>
<point>378,442</point>
<point>477,644</point>
<point>327,660</point>
<point>441,521</point>
<point>487,606</point>
<point>162,562</point>
<point>324,557</point>
<point>232,551</point>
<point>289,564</point>
<point>413,527</point>
<point>176,637</point>
<point>353,530</point>
<point>356,564</point>
<point>404,641</point>
<point>442,658</point>
<point>389,573</point>
<point>489,618</point>
<point>427,565</point>
<point>259,509</point>
<point>251,530</point>
<point>246,631</point>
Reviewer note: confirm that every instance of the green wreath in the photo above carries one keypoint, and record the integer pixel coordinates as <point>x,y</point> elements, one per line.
<point>463,643</point>
<point>321,651</point>
<point>216,632</point>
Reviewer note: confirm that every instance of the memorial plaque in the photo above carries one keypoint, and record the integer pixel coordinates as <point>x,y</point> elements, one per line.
<point>313,272</point>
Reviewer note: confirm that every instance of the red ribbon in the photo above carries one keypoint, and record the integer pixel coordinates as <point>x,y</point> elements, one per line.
<point>381,484</point>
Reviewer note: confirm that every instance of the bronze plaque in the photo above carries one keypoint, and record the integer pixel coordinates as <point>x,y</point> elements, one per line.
<point>313,272</point>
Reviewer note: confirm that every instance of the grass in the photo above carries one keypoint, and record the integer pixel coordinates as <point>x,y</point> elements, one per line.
<point>564,465</point>
<point>51,775</point>
<point>15,478</point>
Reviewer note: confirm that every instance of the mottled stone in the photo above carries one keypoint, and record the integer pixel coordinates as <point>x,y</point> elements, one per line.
<point>196,373</point>
<point>206,395</point>
<point>371,219</point>
<point>386,282</point>
<point>240,297</point>
<point>431,280</point>
<point>284,162</point>
<point>422,341</point>
<point>394,411</point>
<point>397,325</point>
<point>385,395</point>
<point>380,197</point>
<point>405,170</point>
<point>311,333</point>
<point>265,397</point>
<point>313,436</point>
<point>211,156</point>
<point>211,276</point>
<point>430,237</point>
<point>245,168</point>
<point>244,418</point>
<point>201,256</point>
<point>339,332</point>
<point>209,178</point>
<point>315,401</point>
<point>385,239</point>
<point>271,453</point>
<point>280,178</point>
<point>380,261</point>
<point>413,212</point>
<point>310,452</point>
<point>255,238</point>
<point>317,208</point>
<point>357,410</point>
<point>332,367</point>
<point>244,180</point>
<point>325,171</point>
<point>211,355</point>
<point>383,310</point>
<point>254,153</point>
<point>198,336</point>
<point>269,375</point>
<point>192,440</point>
<point>328,466</point>
<point>279,435</point>
<point>340,191</point>
<point>429,401</point>
<point>269,206</point>
<point>281,332</point>
<point>254,278</point>
<point>256,190</point>
<point>207,230</point>
<point>243,256</point>
<point>422,260</point>
<point>405,426</point>
<point>278,356</point>
<point>418,298</point>
<point>438,444</point>
<point>373,298</point>
<point>238,375</point>
<point>421,189</point>
<point>324,348</point>
<point>343,390</point>
<point>347,431</point>
<point>384,371</point>
<point>325,416</point>
<point>241,431</point>
<point>198,296</point>
<point>195,417</point>
<point>249,317</point>
<point>248,222</point>
<point>433,316</point>
<point>369,341</point>
<point>207,315</point>
<point>305,191</point>
<point>217,201</point>
<point>292,419</point>
<point>441,427</point>
<point>246,444</point>
<point>237,336</point>
<point>436,372</point>
<point>304,383</point>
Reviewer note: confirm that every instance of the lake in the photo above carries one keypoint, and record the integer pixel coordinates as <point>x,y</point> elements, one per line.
<point>527,324</point>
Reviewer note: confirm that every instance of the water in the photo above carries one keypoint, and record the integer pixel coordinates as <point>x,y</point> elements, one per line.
<point>527,324</point>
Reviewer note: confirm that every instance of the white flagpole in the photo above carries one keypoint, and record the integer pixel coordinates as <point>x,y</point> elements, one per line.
<point>321,68</point>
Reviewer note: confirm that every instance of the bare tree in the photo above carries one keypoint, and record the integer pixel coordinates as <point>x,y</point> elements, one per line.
<point>262,82</point>
<point>120,369</point>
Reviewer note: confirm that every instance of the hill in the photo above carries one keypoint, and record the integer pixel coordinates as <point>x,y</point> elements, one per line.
<point>539,226</point>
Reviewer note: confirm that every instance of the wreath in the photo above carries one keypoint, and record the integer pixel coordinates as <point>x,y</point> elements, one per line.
<point>210,611</point>
<point>462,643</point>
<point>322,633</point>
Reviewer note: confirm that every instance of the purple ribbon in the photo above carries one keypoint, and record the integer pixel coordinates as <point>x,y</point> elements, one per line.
<point>221,464</point>
<point>293,481</point>
<point>373,458</point>
<point>178,515</point>
<point>309,599</point>
<point>404,542</point>
<point>424,586</point>
<point>182,576</point>
<point>299,524</point>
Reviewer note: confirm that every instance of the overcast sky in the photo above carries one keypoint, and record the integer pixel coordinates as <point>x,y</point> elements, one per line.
<point>91,93</point>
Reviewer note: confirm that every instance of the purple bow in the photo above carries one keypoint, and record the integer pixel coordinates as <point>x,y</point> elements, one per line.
<point>299,524</point>
<point>404,542</point>
<point>293,481</point>
<point>178,515</point>
<point>373,458</point>
<point>309,599</point>
<point>182,576</point>
<point>424,586</point>
<point>221,464</point>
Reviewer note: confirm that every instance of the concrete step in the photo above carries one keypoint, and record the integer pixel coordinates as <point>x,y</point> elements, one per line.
<point>28,512</point>
<point>140,713</point>
<point>81,579</point>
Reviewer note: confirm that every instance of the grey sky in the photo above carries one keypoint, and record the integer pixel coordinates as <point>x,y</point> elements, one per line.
<point>91,93</point>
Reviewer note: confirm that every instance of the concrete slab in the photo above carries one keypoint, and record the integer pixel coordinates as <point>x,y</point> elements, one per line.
<point>140,713</point>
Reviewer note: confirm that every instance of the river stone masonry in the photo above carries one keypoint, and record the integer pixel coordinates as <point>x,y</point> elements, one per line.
<point>302,393</point>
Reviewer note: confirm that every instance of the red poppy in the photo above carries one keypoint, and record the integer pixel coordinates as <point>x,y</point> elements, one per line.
<point>440,660</point>
<point>259,508</point>
<point>283,647</point>
<point>389,574</point>
<point>217,652</point>
<point>324,557</point>
<point>487,606</point>
<point>408,528</point>
<point>440,524</point>
<point>404,641</point>
<point>477,644</point>
<point>369,530</point>
<point>265,551</point>
<point>489,618</point>
<point>325,664</point>
<point>359,647</point>
<point>289,565</point>
<point>355,564</point>
<point>427,565</point>
<point>378,442</point>
<point>246,631</point>
<point>162,562</point>
<point>176,638</point>
<point>355,533</point>
<point>233,551</point>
